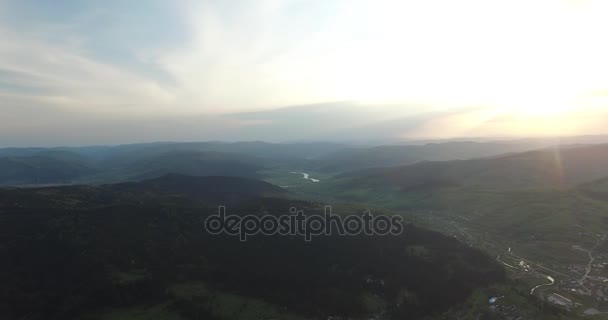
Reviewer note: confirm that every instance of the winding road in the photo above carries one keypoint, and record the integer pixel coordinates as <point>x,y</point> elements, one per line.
<point>589,265</point>
<point>551,279</point>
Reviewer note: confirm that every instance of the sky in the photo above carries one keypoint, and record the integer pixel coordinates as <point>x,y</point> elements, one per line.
<point>89,72</point>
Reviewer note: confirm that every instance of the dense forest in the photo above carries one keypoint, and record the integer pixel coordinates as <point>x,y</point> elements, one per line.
<point>84,252</point>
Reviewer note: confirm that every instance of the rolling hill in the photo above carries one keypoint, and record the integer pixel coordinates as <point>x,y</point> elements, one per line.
<point>182,162</point>
<point>541,202</point>
<point>558,168</point>
<point>352,159</point>
<point>45,168</point>
<point>112,251</point>
<point>63,167</point>
<point>597,189</point>
<point>107,164</point>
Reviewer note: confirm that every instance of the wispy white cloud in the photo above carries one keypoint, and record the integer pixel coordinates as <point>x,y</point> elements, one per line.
<point>62,76</point>
<point>162,59</point>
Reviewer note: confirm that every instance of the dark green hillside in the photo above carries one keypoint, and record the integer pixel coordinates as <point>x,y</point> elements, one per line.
<point>192,163</point>
<point>597,189</point>
<point>64,155</point>
<point>529,201</point>
<point>213,189</point>
<point>109,252</point>
<point>42,169</point>
<point>54,166</point>
<point>128,153</point>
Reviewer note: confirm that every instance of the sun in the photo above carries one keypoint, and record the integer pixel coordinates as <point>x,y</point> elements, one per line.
<point>537,105</point>
<point>543,110</point>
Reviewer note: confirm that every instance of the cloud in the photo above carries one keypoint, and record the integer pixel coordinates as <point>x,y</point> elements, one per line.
<point>240,57</point>
<point>63,77</point>
<point>226,60</point>
<point>261,54</point>
<point>86,65</point>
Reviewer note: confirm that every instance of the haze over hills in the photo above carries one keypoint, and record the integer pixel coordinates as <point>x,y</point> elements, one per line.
<point>41,170</point>
<point>103,164</point>
<point>350,159</point>
<point>32,170</point>
<point>335,122</point>
<point>557,167</point>
<point>536,191</point>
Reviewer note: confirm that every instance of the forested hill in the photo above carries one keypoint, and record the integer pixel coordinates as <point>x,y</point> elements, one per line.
<point>116,251</point>
<point>557,168</point>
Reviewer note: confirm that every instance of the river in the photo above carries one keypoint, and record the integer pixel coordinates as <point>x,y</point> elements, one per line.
<point>306,176</point>
<point>552,282</point>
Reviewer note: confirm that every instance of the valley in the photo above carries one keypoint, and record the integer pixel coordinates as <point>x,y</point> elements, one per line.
<point>545,229</point>
<point>139,248</point>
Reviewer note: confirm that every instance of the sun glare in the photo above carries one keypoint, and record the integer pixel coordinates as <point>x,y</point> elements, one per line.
<point>542,110</point>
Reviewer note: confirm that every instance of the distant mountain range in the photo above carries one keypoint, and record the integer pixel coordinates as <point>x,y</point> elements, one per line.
<point>557,167</point>
<point>105,164</point>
